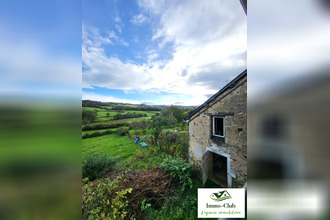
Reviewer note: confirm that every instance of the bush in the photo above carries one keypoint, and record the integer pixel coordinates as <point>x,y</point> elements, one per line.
<point>104,126</point>
<point>97,134</point>
<point>174,143</point>
<point>102,200</point>
<point>122,131</point>
<point>88,116</point>
<point>95,165</point>
<point>180,170</point>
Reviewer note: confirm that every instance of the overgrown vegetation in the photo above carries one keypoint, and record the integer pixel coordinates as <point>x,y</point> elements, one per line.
<point>174,143</point>
<point>180,170</point>
<point>102,199</point>
<point>151,182</point>
<point>95,165</point>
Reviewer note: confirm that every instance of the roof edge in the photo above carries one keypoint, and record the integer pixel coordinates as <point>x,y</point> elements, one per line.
<point>237,78</point>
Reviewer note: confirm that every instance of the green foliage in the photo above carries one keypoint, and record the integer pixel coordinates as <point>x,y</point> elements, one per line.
<point>144,157</point>
<point>145,207</point>
<point>96,164</point>
<point>139,124</point>
<point>104,126</point>
<point>88,116</point>
<point>96,134</point>
<point>174,143</point>
<point>180,170</point>
<point>102,200</point>
<point>122,131</point>
<point>156,132</point>
<point>180,206</point>
<point>178,112</point>
<point>189,111</point>
<point>129,115</point>
<point>168,117</point>
<point>137,108</point>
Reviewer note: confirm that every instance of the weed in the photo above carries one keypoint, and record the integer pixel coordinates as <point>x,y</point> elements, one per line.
<point>101,200</point>
<point>180,170</point>
<point>95,165</point>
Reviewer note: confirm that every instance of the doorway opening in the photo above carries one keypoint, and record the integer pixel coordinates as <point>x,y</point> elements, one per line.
<point>219,170</point>
<point>216,167</point>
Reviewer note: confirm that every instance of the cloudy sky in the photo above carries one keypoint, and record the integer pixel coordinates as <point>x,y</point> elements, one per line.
<point>288,42</point>
<point>161,52</point>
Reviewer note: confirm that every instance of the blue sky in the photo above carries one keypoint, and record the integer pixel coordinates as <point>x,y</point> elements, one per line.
<point>160,52</point>
<point>40,54</point>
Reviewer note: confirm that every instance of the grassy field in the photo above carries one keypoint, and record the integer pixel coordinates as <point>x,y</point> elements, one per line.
<point>128,120</point>
<point>112,145</point>
<point>102,113</point>
<point>133,156</point>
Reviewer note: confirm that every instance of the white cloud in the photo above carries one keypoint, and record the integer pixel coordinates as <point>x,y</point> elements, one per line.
<point>139,19</point>
<point>284,48</point>
<point>209,44</point>
<point>118,27</point>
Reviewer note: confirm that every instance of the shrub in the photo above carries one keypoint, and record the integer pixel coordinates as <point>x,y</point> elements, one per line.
<point>102,200</point>
<point>88,116</point>
<point>104,126</point>
<point>174,143</point>
<point>97,134</point>
<point>95,165</point>
<point>180,170</point>
<point>122,131</point>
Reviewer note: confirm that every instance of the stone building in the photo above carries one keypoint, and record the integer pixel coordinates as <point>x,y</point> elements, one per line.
<point>218,135</point>
<point>289,130</point>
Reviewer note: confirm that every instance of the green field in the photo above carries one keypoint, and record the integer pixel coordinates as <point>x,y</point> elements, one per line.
<point>112,145</point>
<point>102,114</point>
<point>128,120</point>
<point>132,156</point>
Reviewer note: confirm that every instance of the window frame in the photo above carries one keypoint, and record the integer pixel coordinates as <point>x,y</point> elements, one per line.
<point>213,127</point>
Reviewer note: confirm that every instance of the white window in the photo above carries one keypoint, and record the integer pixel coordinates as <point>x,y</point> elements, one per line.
<point>218,126</point>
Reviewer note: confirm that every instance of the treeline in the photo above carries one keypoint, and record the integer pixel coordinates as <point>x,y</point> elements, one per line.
<point>95,104</point>
<point>136,108</point>
<point>97,134</point>
<point>129,115</point>
<point>104,126</point>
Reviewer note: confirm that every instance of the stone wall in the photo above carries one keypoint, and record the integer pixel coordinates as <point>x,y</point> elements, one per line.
<point>200,130</point>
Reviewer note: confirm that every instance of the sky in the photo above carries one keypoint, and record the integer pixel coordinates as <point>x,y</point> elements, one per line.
<point>40,56</point>
<point>161,52</point>
<point>288,42</point>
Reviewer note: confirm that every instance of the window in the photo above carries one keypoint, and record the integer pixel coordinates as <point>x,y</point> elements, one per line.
<point>273,127</point>
<point>218,126</point>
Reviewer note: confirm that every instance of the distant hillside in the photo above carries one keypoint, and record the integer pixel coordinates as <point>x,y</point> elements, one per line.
<point>116,105</point>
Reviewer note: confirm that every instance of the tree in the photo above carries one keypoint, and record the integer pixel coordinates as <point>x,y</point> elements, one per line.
<point>178,112</point>
<point>156,132</point>
<point>108,114</point>
<point>166,118</point>
<point>88,116</point>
